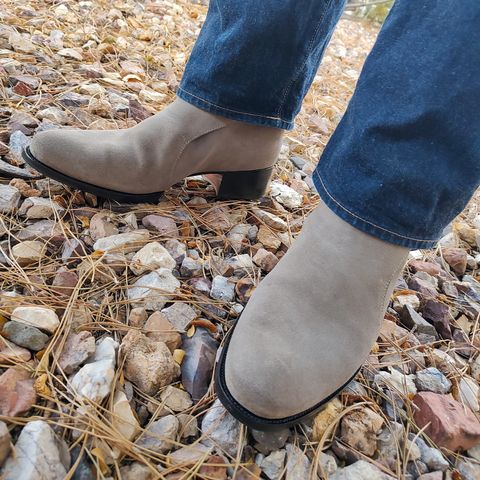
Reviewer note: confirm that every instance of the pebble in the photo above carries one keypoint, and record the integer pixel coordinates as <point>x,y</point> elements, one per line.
<point>55,115</point>
<point>176,399</point>
<point>220,430</point>
<point>165,226</point>
<point>136,471</point>
<point>148,364</point>
<point>197,366</point>
<point>222,289</point>
<point>102,226</point>
<point>190,267</point>
<point>298,464</point>
<point>122,242</point>
<point>9,199</point>
<point>28,252</point>
<point>273,465</point>
<point>153,291</point>
<point>180,315</point>
<point>407,299</point>
<point>468,470</point>
<point>151,257</point>
<point>189,454</point>
<point>360,470</point>
<point>413,320</point>
<point>46,230</point>
<point>39,454</point>
<point>17,395</point>
<point>160,435</point>
<point>265,260</point>
<point>188,425</point>
<point>77,349</point>
<point>431,457</point>
<point>137,317</point>
<point>451,425</point>
<point>5,441</point>
<point>158,328</point>
<point>285,195</point>
<point>12,353</point>
<point>43,318</point>
<point>466,391</point>
<point>456,258</point>
<point>25,335</point>
<point>268,238</point>
<point>37,208</point>
<point>270,441</point>
<point>94,380</point>
<point>439,315</point>
<point>177,250</point>
<point>432,380</point>
<point>124,420</point>
<point>237,237</point>
<point>397,380</point>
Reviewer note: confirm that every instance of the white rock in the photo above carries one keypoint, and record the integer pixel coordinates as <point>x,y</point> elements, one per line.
<point>28,252</point>
<point>399,381</point>
<point>220,430</point>
<point>94,380</point>
<point>273,466</point>
<point>176,399</point>
<point>360,470</point>
<point>467,391</point>
<point>159,436</point>
<point>124,242</point>
<point>40,317</point>
<point>39,455</point>
<point>9,198</point>
<point>71,53</point>
<point>153,291</point>
<point>124,420</point>
<point>39,208</point>
<point>285,195</point>
<point>270,219</point>
<point>298,464</point>
<point>151,257</point>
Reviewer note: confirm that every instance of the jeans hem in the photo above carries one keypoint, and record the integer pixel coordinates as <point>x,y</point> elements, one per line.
<point>251,118</point>
<point>364,225</point>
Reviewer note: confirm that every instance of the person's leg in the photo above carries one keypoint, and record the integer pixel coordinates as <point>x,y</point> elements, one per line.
<point>244,84</point>
<point>403,162</point>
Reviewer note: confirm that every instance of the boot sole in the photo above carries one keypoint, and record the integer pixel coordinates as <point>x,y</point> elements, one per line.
<point>240,185</point>
<point>250,419</point>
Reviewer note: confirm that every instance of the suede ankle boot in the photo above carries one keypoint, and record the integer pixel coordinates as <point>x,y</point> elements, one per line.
<point>137,164</point>
<point>309,325</point>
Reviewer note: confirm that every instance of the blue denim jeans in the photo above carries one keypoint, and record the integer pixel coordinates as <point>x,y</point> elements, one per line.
<point>405,158</point>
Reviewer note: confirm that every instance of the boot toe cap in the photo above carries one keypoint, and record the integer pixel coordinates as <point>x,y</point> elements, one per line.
<point>47,148</point>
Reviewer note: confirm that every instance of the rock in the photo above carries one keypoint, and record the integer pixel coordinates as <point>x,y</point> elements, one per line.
<point>65,281</point>
<point>122,242</point>
<point>468,470</point>
<point>326,464</point>
<point>431,457</point>
<point>151,257</point>
<point>45,230</point>
<point>176,249</point>
<point>241,265</point>
<point>237,237</point>
<point>73,99</point>
<point>360,470</point>
<point>136,471</point>
<point>28,252</point>
<point>12,353</point>
<point>5,441</point>
<point>201,285</point>
<point>269,239</point>
<point>269,219</point>
<point>137,318</point>
<point>217,218</point>
<point>222,289</point>
<point>273,466</point>
<point>148,364</point>
<point>197,366</point>
<point>77,349</point>
<point>17,395</point>
<point>36,208</point>
<point>39,317</point>
<point>432,380</point>
<point>285,195</point>
<point>265,260</point>
<point>124,420</point>
<point>166,226</point>
<point>9,199</point>
<point>220,430</point>
<point>55,115</point>
<point>160,435</point>
<point>71,53</point>
<point>269,441</point>
<point>18,141</point>
<point>25,335</point>
<point>474,452</point>
<point>325,418</point>
<point>188,425</point>
<point>389,443</point>
<point>158,328</point>
<point>451,426</point>
<point>190,267</point>
<point>397,380</point>
<point>189,455</point>
<point>180,315</point>
<point>175,399</point>
<point>298,464</point>
<point>94,380</point>
<point>214,468</point>
<point>413,320</point>
<point>456,258</point>
<point>467,392</point>
<point>360,428</point>
<point>439,315</point>
<point>39,454</point>
<point>406,299</point>
<point>153,291</point>
<point>102,226</point>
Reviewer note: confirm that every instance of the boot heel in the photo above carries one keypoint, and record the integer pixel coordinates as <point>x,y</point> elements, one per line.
<point>247,185</point>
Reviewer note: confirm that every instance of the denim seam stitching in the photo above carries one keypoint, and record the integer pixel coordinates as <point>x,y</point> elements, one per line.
<point>310,48</point>
<point>230,110</point>
<point>366,221</point>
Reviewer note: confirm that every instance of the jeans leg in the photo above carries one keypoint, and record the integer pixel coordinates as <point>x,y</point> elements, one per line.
<point>254,60</point>
<point>405,159</point>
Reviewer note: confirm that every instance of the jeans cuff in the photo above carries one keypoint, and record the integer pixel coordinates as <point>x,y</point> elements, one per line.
<point>251,118</point>
<point>367,226</point>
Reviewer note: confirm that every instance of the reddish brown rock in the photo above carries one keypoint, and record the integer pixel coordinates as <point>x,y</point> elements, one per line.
<point>456,258</point>
<point>214,468</point>
<point>78,347</point>
<point>438,314</point>
<point>163,225</point>
<point>65,281</point>
<point>11,353</point>
<point>265,260</point>
<point>17,395</point>
<point>428,267</point>
<point>451,426</point>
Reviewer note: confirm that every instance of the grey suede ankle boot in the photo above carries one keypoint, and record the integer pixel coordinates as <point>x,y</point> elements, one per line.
<point>139,163</point>
<point>309,325</point>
